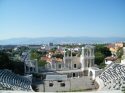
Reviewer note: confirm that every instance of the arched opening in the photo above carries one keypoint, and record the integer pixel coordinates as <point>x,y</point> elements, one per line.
<point>88,52</point>
<point>62,84</point>
<point>91,74</point>
<point>51,84</point>
<point>74,74</point>
<point>31,69</point>
<point>49,66</point>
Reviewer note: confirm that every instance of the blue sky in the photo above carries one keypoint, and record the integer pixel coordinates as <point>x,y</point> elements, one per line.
<point>59,18</point>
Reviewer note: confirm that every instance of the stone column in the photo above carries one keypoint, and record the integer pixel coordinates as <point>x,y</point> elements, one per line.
<point>55,65</point>
<point>78,74</point>
<point>64,58</point>
<point>82,51</point>
<point>71,75</point>
<point>90,62</point>
<point>71,58</point>
<point>123,50</point>
<point>90,52</point>
<point>24,68</point>
<point>51,65</point>
<point>71,52</point>
<point>36,66</point>
<point>28,69</point>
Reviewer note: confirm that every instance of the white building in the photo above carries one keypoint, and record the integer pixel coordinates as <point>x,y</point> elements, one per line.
<point>123,57</point>
<point>74,66</point>
<point>87,57</point>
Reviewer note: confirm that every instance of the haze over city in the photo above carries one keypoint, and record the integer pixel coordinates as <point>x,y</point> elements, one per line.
<point>60,18</point>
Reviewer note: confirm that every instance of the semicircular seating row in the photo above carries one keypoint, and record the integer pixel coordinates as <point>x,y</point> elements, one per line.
<point>113,77</point>
<point>11,81</point>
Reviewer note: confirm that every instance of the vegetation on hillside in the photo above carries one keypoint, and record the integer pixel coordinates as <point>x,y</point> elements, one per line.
<point>101,52</point>
<point>119,53</point>
<point>37,55</point>
<point>7,63</point>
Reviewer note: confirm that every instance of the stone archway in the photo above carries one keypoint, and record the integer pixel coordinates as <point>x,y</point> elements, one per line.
<point>91,73</point>
<point>74,75</point>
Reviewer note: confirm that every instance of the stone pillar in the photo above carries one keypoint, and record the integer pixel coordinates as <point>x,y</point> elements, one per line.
<point>55,65</point>
<point>24,68</point>
<point>90,63</point>
<point>82,51</point>
<point>90,52</point>
<point>28,69</point>
<point>78,74</point>
<point>87,63</point>
<point>82,59</point>
<point>87,52</point>
<point>64,58</point>
<point>51,65</point>
<point>71,59</point>
<point>71,75</point>
<point>36,66</point>
<point>71,52</point>
<point>123,50</point>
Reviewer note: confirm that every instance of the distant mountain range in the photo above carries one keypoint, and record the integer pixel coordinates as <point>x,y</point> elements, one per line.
<point>60,40</point>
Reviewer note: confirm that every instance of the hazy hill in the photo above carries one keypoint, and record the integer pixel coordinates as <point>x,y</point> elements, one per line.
<point>45,40</point>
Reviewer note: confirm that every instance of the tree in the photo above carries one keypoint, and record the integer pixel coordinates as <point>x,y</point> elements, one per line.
<point>104,50</point>
<point>101,52</point>
<point>41,63</point>
<point>119,53</point>
<point>18,67</point>
<point>53,49</point>
<point>37,54</point>
<point>99,58</point>
<point>34,55</point>
<point>5,62</point>
<point>123,44</point>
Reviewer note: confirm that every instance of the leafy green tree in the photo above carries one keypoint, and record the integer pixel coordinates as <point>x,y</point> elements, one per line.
<point>34,55</point>
<point>119,53</point>
<point>99,58</point>
<point>41,63</point>
<point>53,49</point>
<point>37,55</point>
<point>17,67</point>
<point>5,62</point>
<point>104,50</point>
<point>101,52</point>
<point>123,44</point>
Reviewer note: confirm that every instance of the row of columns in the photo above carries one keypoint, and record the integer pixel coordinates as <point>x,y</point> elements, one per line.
<point>65,57</point>
<point>28,69</point>
<point>88,61</point>
<point>63,66</point>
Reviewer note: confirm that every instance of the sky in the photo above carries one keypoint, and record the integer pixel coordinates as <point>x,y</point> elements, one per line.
<point>61,18</point>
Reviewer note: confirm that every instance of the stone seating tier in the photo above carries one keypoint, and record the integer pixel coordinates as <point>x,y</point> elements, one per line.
<point>11,81</point>
<point>113,77</point>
